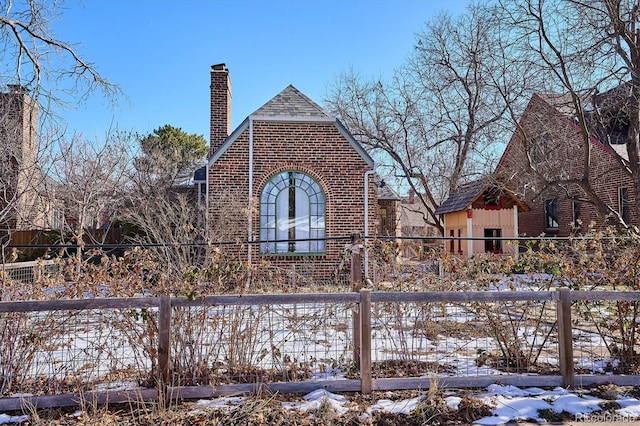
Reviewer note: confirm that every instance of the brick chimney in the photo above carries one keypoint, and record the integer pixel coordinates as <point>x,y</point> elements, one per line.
<point>220,106</point>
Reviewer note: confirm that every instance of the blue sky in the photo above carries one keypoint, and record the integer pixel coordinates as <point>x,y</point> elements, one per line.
<point>160,52</point>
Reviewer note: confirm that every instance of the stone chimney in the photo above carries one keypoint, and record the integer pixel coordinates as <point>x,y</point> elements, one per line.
<point>220,106</point>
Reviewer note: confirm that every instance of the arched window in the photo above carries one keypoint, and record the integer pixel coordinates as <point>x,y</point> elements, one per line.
<point>292,211</point>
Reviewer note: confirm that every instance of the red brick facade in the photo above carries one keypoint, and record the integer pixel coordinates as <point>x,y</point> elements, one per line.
<point>314,145</point>
<point>564,154</point>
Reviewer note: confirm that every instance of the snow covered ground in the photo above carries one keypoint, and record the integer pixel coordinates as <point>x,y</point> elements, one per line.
<point>509,403</point>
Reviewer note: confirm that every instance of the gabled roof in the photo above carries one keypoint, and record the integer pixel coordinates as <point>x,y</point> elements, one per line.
<point>462,197</point>
<point>466,194</point>
<point>291,105</point>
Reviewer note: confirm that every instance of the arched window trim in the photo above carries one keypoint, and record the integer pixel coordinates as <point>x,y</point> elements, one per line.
<point>292,215</point>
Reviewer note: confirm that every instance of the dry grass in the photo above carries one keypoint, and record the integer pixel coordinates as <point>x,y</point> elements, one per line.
<point>265,409</point>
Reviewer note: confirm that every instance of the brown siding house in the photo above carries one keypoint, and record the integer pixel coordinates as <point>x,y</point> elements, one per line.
<point>478,217</point>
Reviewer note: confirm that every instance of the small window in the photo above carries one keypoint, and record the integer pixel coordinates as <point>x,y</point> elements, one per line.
<point>452,242</point>
<point>539,149</point>
<point>623,204</point>
<point>383,221</point>
<point>292,215</point>
<point>551,214</point>
<point>57,219</point>
<point>492,243</point>
<point>576,215</point>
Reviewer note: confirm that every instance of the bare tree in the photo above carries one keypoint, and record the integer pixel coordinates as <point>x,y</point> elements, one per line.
<point>167,210</point>
<point>163,207</point>
<point>43,73</point>
<point>35,58</point>
<point>437,121</point>
<point>88,181</point>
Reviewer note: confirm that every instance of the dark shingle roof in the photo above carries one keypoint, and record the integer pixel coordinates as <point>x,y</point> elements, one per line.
<point>462,197</point>
<point>291,103</point>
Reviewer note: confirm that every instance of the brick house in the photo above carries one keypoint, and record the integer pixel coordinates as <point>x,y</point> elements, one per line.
<point>300,183</point>
<point>477,216</point>
<point>549,138</point>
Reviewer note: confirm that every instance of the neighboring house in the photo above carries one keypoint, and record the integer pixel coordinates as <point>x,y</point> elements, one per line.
<point>389,210</point>
<point>193,181</point>
<point>414,223</point>
<point>290,179</point>
<point>478,216</point>
<point>549,138</point>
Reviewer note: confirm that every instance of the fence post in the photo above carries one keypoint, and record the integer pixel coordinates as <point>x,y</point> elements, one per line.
<point>565,338</point>
<point>365,342</point>
<point>356,285</point>
<point>164,327</point>
<point>356,263</point>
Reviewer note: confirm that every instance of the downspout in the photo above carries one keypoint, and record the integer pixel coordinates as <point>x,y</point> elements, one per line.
<point>366,220</point>
<point>250,194</point>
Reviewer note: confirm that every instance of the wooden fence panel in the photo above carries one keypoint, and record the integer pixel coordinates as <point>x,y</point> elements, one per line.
<point>364,300</point>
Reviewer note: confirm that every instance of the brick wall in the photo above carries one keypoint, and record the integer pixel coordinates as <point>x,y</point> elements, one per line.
<point>392,226</point>
<point>315,148</point>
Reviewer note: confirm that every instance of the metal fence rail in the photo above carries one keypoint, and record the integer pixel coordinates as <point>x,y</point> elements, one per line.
<point>147,348</point>
<point>27,272</point>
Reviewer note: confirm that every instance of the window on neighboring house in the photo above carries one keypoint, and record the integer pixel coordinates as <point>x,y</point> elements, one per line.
<point>539,149</point>
<point>459,241</point>
<point>57,219</point>
<point>452,242</point>
<point>576,215</point>
<point>623,203</point>
<point>383,221</point>
<point>491,244</point>
<point>551,214</point>
<point>292,215</point>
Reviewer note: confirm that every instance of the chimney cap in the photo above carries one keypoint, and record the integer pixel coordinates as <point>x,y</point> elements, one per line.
<point>219,67</point>
<point>17,88</point>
